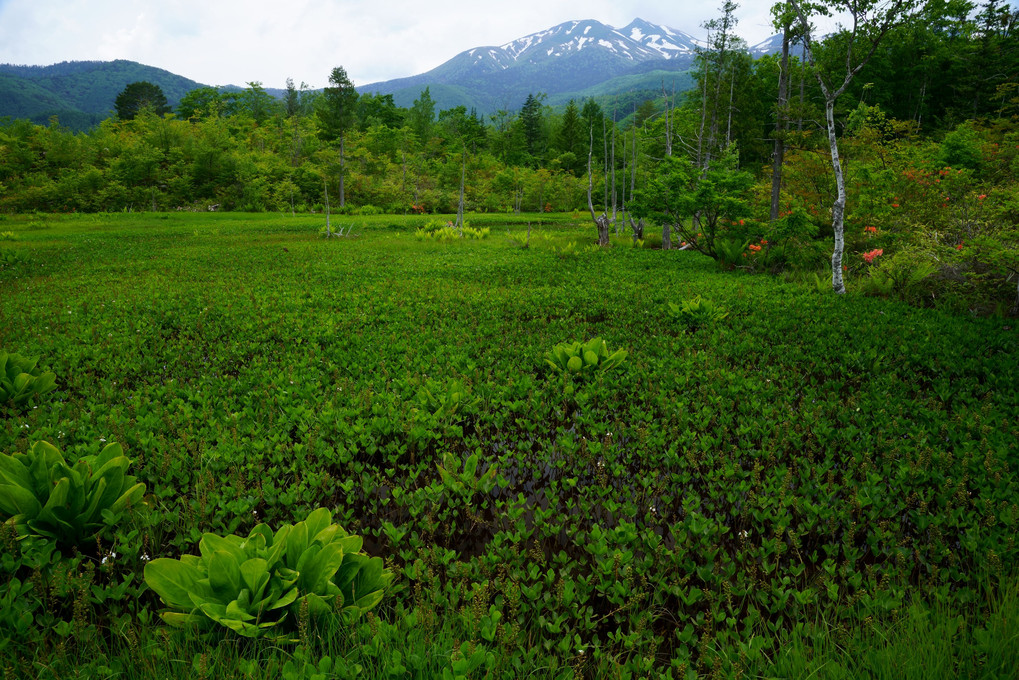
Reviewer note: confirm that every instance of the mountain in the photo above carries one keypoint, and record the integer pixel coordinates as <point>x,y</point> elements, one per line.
<point>79,93</point>
<point>773,45</point>
<point>573,60</point>
<point>564,62</point>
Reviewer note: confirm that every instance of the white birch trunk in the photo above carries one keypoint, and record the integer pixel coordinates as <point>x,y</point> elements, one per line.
<point>838,209</point>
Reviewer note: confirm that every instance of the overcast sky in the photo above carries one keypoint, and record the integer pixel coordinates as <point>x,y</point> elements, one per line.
<point>231,42</point>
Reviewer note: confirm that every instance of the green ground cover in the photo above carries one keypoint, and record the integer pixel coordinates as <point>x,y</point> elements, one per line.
<point>764,492</point>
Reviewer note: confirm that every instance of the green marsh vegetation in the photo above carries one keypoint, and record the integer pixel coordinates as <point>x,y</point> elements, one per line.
<point>771,482</point>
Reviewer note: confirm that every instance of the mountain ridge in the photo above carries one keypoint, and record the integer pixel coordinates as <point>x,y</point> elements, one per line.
<point>565,59</point>
<point>572,60</point>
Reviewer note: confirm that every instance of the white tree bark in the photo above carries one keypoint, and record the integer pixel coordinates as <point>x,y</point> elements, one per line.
<point>838,209</point>
<point>880,20</point>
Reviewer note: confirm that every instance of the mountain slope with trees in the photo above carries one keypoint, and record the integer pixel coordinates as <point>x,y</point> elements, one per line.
<point>79,93</point>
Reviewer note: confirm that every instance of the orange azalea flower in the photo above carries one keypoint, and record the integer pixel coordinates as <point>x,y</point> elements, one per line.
<point>869,257</point>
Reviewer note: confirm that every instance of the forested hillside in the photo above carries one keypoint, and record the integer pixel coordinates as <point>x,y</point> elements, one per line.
<point>80,93</point>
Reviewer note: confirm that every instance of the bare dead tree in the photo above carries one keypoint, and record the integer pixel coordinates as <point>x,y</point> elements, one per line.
<point>781,123</point>
<point>329,230</point>
<point>600,221</point>
<point>613,165</point>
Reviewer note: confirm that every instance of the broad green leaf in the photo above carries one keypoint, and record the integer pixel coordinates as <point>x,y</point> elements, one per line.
<point>325,535</point>
<point>348,571</point>
<point>14,472</point>
<point>211,543</point>
<point>255,573</point>
<point>58,496</point>
<point>305,564</point>
<point>471,466</point>
<point>96,506</point>
<point>16,500</point>
<point>322,569</point>
<point>234,611</point>
<point>297,543</point>
<point>110,453</point>
<point>285,599</point>
<point>351,544</point>
<point>131,496</point>
<point>21,383</point>
<point>317,520</point>
<point>224,575</point>
<point>279,546</point>
<point>368,601</point>
<point>173,581</point>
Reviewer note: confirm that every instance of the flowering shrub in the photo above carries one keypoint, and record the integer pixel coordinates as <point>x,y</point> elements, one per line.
<point>869,257</point>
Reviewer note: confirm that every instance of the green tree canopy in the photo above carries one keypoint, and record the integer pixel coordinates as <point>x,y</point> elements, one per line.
<point>139,96</point>
<point>422,114</point>
<point>337,106</point>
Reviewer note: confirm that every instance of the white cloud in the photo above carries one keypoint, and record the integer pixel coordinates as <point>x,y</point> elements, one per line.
<point>232,42</point>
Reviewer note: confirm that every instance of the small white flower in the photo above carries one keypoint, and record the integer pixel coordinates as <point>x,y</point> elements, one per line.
<point>102,439</point>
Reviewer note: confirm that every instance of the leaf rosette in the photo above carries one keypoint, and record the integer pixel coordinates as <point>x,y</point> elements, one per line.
<point>21,379</point>
<point>250,585</point>
<point>577,358</point>
<point>41,494</point>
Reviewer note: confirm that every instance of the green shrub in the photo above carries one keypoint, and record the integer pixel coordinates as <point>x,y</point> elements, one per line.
<point>20,379</point>
<point>904,271</point>
<point>961,148</point>
<point>579,358</point>
<point>729,252</point>
<point>41,494</point>
<point>251,584</point>
<point>437,230</point>
<point>697,313</point>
